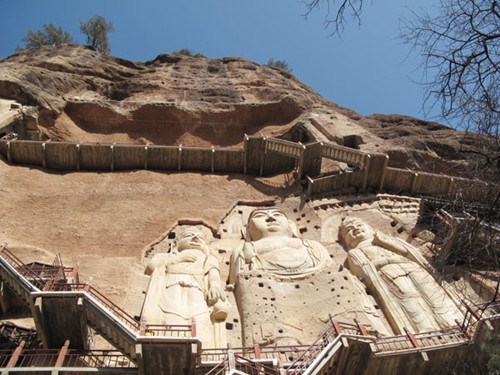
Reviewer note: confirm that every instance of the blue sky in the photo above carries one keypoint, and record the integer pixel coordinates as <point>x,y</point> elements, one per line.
<point>368,69</point>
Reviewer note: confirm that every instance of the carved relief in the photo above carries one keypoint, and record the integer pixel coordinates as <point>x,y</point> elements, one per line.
<point>186,287</point>
<point>397,275</point>
<point>282,280</point>
<point>273,245</point>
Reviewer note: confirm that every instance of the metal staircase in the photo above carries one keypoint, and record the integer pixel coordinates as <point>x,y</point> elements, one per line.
<point>48,289</point>
<point>47,292</point>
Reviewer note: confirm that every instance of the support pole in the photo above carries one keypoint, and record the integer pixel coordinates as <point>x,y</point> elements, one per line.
<point>15,356</point>
<point>112,148</point>
<point>62,354</point>
<point>366,170</point>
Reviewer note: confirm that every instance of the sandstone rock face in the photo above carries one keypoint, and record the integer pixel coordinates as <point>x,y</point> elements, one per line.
<point>75,93</point>
<point>277,290</point>
<point>84,95</point>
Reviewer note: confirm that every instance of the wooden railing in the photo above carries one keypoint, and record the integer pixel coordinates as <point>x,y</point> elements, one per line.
<point>69,358</point>
<point>235,362</point>
<point>292,149</point>
<point>452,336</point>
<point>344,154</point>
<point>52,284</point>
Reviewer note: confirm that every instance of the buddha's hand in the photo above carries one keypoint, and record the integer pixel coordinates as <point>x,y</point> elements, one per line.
<point>216,293</point>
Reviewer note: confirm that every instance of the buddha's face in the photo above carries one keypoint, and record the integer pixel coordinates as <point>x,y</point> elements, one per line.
<point>354,231</point>
<point>191,239</point>
<point>268,222</point>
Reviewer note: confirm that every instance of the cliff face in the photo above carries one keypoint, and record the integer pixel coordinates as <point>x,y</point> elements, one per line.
<point>84,95</point>
<point>74,93</point>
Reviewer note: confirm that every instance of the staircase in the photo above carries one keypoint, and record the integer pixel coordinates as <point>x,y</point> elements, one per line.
<point>320,356</point>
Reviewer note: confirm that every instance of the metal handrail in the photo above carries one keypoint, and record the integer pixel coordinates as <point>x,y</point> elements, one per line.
<point>252,368</point>
<point>21,268</point>
<point>219,369</point>
<point>73,358</point>
<point>307,358</point>
<point>122,314</point>
<point>167,330</point>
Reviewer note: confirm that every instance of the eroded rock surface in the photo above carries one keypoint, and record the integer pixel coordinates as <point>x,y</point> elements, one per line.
<point>75,93</point>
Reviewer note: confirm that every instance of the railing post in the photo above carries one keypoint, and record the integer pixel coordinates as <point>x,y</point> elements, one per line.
<point>412,338</point>
<point>384,172</point>
<point>44,157</point>
<point>212,160</point>
<point>62,354</point>
<point>361,327</point>
<point>366,168</point>
<point>231,360</point>
<point>9,153</point>
<point>310,183</point>
<point>469,313</point>
<point>73,275</point>
<point>301,161</point>
<point>256,350</point>
<point>463,329</point>
<point>336,326</point>
<point>263,157</point>
<point>142,329</point>
<point>449,189</point>
<point>414,182</point>
<point>245,154</point>
<point>78,156</point>
<point>15,356</point>
<point>179,158</point>
<point>193,328</point>
<point>112,148</point>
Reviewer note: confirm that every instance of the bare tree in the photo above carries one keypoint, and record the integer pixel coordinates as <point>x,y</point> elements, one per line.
<point>338,12</point>
<point>460,49</point>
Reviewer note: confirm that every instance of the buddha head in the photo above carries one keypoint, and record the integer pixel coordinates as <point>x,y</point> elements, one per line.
<point>191,238</point>
<point>269,222</point>
<point>354,231</point>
